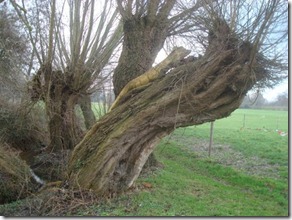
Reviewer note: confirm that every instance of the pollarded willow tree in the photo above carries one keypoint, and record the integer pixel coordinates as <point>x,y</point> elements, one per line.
<point>240,41</point>
<point>72,42</point>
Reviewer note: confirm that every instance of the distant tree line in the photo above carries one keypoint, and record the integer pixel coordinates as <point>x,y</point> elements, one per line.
<point>257,101</point>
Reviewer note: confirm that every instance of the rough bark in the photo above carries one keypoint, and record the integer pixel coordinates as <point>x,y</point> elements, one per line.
<point>60,100</point>
<point>85,105</point>
<point>113,152</point>
<point>64,132</point>
<point>143,39</point>
<point>147,77</point>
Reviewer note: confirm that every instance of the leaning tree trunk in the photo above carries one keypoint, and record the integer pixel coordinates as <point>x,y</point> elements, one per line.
<point>111,155</point>
<point>143,39</point>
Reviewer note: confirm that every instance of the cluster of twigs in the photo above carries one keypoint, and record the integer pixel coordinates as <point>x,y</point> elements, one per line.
<point>60,202</point>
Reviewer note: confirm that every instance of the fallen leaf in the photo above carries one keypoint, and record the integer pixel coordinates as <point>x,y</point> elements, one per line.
<point>147,185</point>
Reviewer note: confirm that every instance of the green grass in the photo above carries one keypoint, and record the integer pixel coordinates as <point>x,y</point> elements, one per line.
<point>99,109</point>
<point>190,185</point>
<point>258,138</point>
<point>193,184</point>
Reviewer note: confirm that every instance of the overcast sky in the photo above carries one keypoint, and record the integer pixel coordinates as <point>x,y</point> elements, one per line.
<point>271,94</point>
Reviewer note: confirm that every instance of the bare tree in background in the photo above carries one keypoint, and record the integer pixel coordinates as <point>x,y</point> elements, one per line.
<point>239,44</point>
<point>13,55</point>
<point>70,59</point>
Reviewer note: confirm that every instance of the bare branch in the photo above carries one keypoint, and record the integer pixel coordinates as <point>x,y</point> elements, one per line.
<point>24,19</point>
<point>51,32</point>
<point>123,11</point>
<point>165,9</point>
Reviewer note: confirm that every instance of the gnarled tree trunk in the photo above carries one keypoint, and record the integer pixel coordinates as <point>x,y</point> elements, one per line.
<point>143,39</point>
<point>64,131</point>
<point>112,154</point>
<point>60,100</point>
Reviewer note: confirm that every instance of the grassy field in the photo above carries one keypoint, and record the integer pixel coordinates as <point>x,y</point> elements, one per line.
<point>246,174</point>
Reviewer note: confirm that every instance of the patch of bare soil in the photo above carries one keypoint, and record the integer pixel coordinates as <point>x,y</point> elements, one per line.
<point>225,155</point>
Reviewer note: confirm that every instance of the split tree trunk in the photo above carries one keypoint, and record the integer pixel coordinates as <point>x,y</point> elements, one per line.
<point>111,155</point>
<point>63,128</point>
<point>51,87</point>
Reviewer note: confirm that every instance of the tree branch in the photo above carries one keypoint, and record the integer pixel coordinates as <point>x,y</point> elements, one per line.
<point>176,55</point>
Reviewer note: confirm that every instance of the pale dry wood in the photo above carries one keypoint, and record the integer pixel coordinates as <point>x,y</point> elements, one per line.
<point>176,55</point>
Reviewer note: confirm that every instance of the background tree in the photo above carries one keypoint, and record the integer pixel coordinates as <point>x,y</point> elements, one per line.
<point>236,39</point>
<point>13,55</point>
<point>256,99</point>
<point>70,59</point>
<point>283,100</point>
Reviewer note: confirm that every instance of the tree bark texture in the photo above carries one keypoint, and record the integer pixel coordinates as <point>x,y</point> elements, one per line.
<point>51,87</point>
<point>143,39</point>
<point>111,155</point>
<point>88,114</point>
<point>175,57</point>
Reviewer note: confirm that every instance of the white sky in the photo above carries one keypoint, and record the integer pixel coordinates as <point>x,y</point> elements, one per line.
<point>271,94</point>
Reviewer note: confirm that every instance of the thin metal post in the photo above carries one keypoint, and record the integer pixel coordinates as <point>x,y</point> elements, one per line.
<point>211,138</point>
